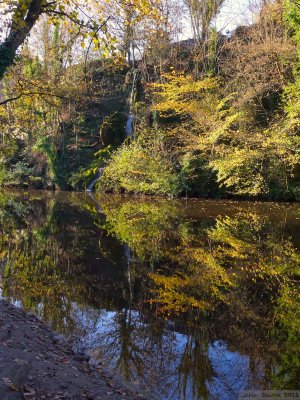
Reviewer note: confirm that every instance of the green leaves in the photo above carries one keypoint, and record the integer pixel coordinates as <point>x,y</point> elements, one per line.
<point>141,168</point>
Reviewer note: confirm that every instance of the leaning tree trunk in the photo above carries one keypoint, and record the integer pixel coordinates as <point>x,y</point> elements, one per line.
<point>22,22</point>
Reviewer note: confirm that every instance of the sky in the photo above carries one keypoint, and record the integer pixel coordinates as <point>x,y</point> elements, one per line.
<point>233,13</point>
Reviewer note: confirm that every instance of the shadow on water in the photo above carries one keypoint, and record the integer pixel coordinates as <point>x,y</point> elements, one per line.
<point>189,299</point>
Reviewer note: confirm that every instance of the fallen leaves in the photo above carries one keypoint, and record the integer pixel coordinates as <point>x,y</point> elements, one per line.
<point>20,361</point>
<point>41,370</point>
<point>11,385</point>
<point>28,393</point>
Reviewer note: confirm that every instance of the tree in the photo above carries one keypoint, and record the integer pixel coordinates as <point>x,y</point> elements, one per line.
<point>20,17</point>
<point>23,15</point>
<point>202,13</point>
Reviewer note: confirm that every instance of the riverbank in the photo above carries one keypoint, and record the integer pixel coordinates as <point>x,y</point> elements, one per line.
<point>36,364</point>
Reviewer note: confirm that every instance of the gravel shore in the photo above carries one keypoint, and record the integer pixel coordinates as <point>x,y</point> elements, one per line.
<point>37,364</point>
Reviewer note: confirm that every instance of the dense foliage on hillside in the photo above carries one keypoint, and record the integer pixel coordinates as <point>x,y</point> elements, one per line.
<point>218,115</point>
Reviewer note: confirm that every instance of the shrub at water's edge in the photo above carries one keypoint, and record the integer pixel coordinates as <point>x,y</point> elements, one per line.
<point>141,167</point>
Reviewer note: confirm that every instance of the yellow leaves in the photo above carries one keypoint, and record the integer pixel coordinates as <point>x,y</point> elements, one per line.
<point>181,93</point>
<point>175,297</point>
<point>193,275</point>
<point>61,7</point>
<point>133,13</point>
<point>221,132</point>
<point>142,225</point>
<point>179,84</point>
<point>198,287</point>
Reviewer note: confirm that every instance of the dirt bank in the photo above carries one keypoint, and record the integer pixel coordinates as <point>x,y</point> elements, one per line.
<point>37,364</point>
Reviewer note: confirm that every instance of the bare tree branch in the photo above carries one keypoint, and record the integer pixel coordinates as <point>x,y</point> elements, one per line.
<point>27,94</point>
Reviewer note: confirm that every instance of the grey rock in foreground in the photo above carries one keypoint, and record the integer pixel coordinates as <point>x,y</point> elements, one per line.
<point>36,364</point>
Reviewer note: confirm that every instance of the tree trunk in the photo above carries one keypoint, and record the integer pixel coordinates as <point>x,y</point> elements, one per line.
<point>22,23</point>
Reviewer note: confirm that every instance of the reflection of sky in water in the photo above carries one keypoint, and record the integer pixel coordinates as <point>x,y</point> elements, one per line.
<point>231,369</point>
<point>16,303</point>
<point>162,361</point>
<point>91,274</point>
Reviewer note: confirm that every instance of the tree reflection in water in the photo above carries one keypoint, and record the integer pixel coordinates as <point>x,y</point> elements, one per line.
<point>192,300</point>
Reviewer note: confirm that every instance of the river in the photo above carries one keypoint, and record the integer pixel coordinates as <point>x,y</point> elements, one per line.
<point>188,299</point>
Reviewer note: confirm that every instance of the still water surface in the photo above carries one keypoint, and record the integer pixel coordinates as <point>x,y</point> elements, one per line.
<point>188,299</point>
